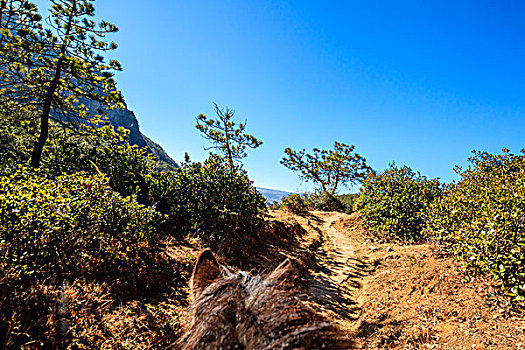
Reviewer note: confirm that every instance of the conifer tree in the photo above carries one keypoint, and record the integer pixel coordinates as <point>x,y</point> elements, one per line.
<point>54,72</point>
<point>328,168</point>
<point>21,36</point>
<point>226,136</point>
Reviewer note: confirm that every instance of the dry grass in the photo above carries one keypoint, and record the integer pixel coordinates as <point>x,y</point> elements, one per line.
<point>418,299</point>
<point>138,310</point>
<point>414,298</point>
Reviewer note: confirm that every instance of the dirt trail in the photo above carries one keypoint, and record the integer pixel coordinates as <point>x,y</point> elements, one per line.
<point>339,268</point>
<point>394,296</point>
<point>335,276</point>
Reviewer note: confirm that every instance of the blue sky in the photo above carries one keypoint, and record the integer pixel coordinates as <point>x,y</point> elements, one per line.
<point>420,83</point>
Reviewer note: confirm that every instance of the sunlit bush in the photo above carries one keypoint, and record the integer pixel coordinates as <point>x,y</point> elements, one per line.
<point>481,219</point>
<point>90,149</point>
<point>393,202</point>
<point>72,225</point>
<point>72,253</point>
<point>325,202</point>
<point>301,203</point>
<point>101,150</point>
<point>295,203</point>
<point>15,143</point>
<point>208,200</point>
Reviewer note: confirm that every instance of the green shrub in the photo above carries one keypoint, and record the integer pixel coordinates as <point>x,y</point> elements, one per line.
<point>481,219</point>
<point>393,203</point>
<point>221,207</point>
<point>101,150</point>
<point>206,199</point>
<point>318,200</point>
<point>15,143</point>
<point>325,202</point>
<point>72,253</point>
<point>295,203</point>
<point>348,201</point>
<point>72,225</point>
<point>91,150</point>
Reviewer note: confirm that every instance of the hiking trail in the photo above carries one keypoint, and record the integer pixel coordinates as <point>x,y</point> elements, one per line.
<point>400,296</point>
<point>341,263</point>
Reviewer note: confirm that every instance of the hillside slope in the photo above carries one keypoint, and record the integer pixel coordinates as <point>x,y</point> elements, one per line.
<point>127,119</point>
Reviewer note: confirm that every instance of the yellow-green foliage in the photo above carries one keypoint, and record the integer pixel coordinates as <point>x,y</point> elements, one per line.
<point>79,221</point>
<point>15,142</point>
<point>74,224</point>
<point>324,201</point>
<point>100,149</point>
<point>203,198</point>
<point>94,148</point>
<point>222,207</point>
<point>393,203</point>
<point>482,218</point>
<point>68,229</point>
<point>348,201</point>
<point>300,203</point>
<point>295,203</point>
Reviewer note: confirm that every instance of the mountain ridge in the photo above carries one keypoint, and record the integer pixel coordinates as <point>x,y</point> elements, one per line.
<point>126,118</point>
<point>272,195</point>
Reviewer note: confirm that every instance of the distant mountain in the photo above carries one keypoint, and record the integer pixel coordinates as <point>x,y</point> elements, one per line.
<point>126,119</point>
<point>164,161</point>
<point>272,195</point>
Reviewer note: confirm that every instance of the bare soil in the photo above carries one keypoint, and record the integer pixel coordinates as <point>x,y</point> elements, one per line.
<point>395,296</point>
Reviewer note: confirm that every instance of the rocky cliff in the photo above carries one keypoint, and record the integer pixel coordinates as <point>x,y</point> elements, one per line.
<point>128,120</point>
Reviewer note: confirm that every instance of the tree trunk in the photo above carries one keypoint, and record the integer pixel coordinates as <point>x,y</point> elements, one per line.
<point>36,156</point>
<point>228,149</point>
<point>44,118</point>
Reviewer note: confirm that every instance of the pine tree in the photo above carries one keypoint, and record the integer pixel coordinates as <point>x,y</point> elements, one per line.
<point>328,168</point>
<point>226,136</point>
<point>54,72</point>
<point>21,35</point>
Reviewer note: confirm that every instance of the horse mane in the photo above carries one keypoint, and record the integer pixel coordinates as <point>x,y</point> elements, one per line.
<point>239,311</point>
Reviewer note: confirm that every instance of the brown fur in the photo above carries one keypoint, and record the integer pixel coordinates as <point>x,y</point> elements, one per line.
<point>238,311</point>
<point>205,271</point>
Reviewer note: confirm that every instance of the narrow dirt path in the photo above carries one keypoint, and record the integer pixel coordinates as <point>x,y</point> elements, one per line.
<point>396,296</point>
<point>337,274</point>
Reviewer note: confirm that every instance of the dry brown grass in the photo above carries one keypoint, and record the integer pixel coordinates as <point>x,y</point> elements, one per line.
<point>413,298</point>
<point>136,310</point>
<point>418,299</point>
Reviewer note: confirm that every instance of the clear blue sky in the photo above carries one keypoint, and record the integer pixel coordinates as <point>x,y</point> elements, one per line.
<point>419,82</point>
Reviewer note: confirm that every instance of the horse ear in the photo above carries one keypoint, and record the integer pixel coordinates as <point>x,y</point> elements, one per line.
<point>206,270</point>
<point>285,272</point>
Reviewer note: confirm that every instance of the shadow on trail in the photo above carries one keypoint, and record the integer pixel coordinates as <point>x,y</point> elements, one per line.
<point>337,296</point>
<point>336,274</point>
<point>311,217</point>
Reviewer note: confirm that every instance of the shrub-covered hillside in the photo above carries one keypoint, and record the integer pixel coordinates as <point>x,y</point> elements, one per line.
<point>478,220</point>
<point>97,215</point>
<point>95,238</point>
<point>481,219</point>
